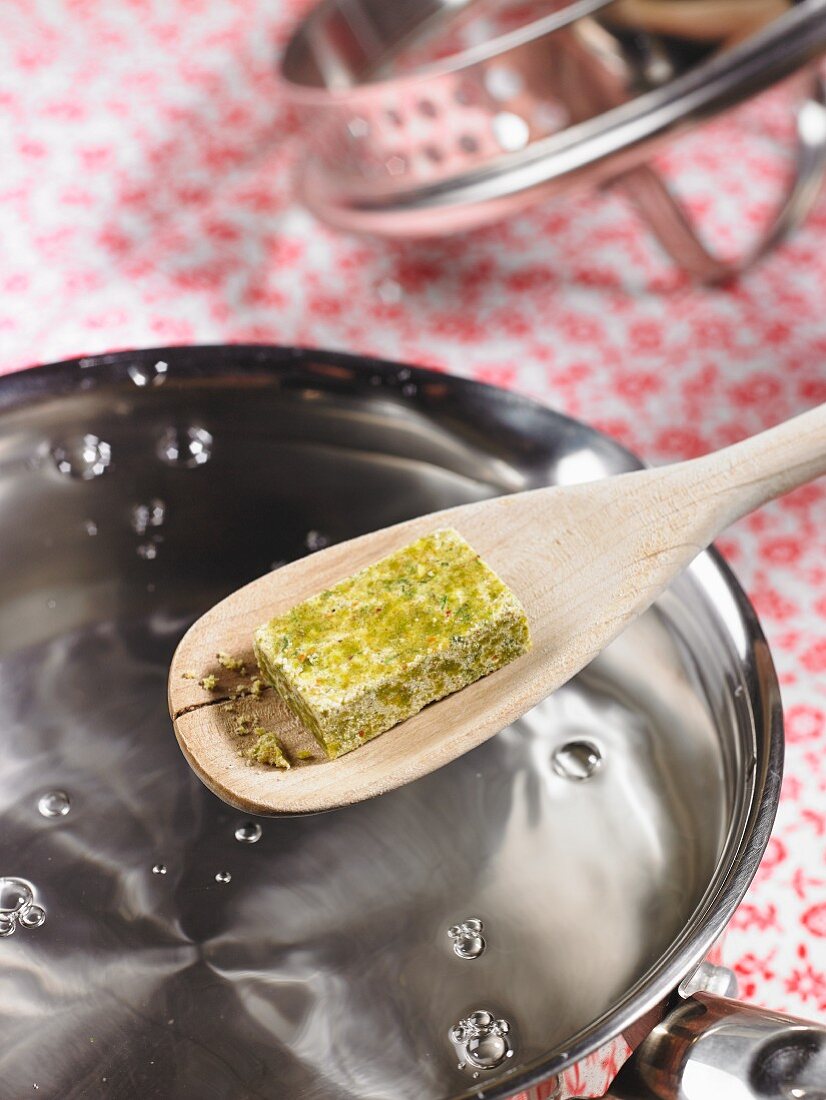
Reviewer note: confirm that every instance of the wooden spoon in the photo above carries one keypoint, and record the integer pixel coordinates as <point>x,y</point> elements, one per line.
<point>584,560</point>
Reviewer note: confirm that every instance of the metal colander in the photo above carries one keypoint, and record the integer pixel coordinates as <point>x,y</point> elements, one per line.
<point>427,118</point>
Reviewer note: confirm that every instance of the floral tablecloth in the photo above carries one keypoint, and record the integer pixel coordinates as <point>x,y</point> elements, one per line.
<point>145,198</point>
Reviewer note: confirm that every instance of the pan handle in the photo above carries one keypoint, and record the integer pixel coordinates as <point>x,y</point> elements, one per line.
<point>714,1048</point>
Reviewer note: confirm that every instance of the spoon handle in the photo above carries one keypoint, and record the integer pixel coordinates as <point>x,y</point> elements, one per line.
<point>738,479</point>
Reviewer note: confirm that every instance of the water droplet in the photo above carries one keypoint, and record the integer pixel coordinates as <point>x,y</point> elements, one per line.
<point>576,760</point>
<point>159,869</point>
<point>314,540</point>
<point>83,457</point>
<point>54,804</point>
<point>481,1041</point>
<point>7,924</point>
<point>248,833</point>
<point>144,516</point>
<point>90,527</point>
<point>147,550</point>
<point>188,447</point>
<point>468,943</point>
<point>33,917</point>
<point>148,374</point>
<point>223,876</point>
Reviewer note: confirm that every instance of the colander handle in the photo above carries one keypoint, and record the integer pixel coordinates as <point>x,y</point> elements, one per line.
<point>677,232</point>
<point>714,1048</point>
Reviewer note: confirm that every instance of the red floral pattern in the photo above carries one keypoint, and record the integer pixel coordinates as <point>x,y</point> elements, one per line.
<point>145,198</point>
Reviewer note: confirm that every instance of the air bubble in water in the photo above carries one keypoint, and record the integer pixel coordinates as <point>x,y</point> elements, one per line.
<point>314,540</point>
<point>15,896</point>
<point>144,516</point>
<point>54,804</point>
<point>33,917</point>
<point>248,833</point>
<point>481,1041</point>
<point>188,447</point>
<point>468,941</point>
<point>83,457</point>
<point>409,389</point>
<point>17,906</point>
<point>470,948</point>
<point>480,1019</point>
<point>159,869</point>
<point>147,550</point>
<point>223,876</point>
<point>576,760</point>
<point>90,527</point>
<point>487,1051</point>
<point>148,374</point>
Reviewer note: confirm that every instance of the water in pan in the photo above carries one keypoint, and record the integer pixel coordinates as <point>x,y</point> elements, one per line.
<point>322,962</point>
<point>313,964</point>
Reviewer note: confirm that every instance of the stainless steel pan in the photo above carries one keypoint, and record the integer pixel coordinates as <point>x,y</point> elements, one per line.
<point>603,841</point>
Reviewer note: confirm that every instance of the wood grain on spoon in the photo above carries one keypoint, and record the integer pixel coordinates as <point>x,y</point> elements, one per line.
<point>584,560</point>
